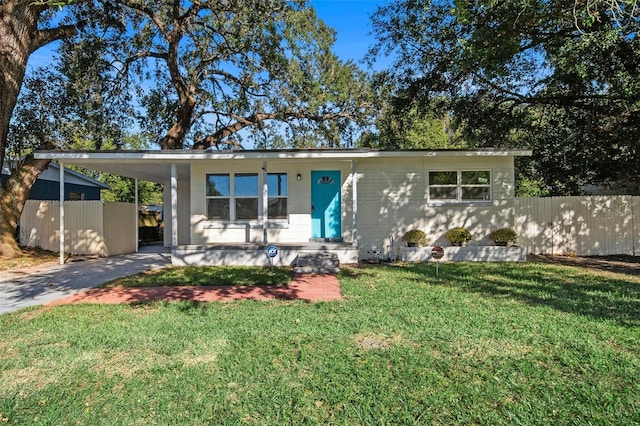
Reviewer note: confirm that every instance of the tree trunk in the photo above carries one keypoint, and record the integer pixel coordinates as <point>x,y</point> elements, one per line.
<point>18,29</point>
<point>12,200</point>
<point>19,37</point>
<point>174,138</point>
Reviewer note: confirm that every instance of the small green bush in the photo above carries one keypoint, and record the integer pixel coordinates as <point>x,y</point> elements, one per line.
<point>504,236</point>
<point>415,236</point>
<point>458,236</point>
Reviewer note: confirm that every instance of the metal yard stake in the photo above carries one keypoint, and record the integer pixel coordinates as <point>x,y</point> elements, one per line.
<point>272,251</point>
<point>437,252</point>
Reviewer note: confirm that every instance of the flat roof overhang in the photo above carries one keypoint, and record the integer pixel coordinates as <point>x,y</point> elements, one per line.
<point>155,165</point>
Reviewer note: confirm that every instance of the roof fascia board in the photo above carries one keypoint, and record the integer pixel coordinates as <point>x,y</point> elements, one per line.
<point>186,156</point>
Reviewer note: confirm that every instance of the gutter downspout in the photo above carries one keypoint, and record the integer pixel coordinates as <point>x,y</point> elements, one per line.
<point>61,213</point>
<point>135,222</point>
<point>265,204</point>
<point>633,227</point>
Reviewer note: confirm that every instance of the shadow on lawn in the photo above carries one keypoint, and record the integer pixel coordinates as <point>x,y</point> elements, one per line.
<point>187,276</point>
<point>566,289</point>
<point>222,293</point>
<point>355,272</point>
<point>309,288</point>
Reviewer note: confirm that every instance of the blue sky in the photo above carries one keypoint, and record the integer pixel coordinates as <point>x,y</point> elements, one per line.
<point>351,20</point>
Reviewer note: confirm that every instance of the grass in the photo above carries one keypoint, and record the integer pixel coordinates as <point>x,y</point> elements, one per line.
<point>479,344</point>
<point>205,276</point>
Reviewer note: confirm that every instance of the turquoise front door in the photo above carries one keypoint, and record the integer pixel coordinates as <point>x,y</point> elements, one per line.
<point>326,214</point>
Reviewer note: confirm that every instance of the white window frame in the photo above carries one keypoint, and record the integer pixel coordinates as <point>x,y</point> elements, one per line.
<point>232,197</point>
<point>235,197</point>
<point>279,197</point>
<point>459,188</point>
<point>219,197</point>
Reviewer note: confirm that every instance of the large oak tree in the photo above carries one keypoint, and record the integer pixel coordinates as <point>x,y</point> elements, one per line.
<point>561,77</point>
<point>218,68</point>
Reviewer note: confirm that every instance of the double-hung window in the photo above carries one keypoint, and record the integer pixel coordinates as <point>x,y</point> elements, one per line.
<point>475,185</point>
<point>278,194</point>
<point>460,185</point>
<point>245,192</point>
<point>218,196</point>
<point>237,196</point>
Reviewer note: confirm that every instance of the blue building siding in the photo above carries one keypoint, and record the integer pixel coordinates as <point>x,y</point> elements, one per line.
<point>50,190</point>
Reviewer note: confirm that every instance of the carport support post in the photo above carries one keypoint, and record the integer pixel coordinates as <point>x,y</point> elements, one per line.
<point>135,222</point>
<point>61,213</point>
<point>354,190</point>
<point>174,205</point>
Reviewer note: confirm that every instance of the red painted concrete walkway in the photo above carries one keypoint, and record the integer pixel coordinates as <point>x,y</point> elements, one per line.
<point>307,287</point>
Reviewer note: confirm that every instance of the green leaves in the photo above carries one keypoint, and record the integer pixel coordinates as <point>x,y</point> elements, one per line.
<point>230,66</point>
<point>198,74</point>
<point>559,77</point>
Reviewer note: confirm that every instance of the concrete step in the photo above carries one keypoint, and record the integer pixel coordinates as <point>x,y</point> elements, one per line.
<point>317,263</point>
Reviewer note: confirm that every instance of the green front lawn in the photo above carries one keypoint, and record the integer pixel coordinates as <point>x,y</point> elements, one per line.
<point>206,276</point>
<point>483,343</point>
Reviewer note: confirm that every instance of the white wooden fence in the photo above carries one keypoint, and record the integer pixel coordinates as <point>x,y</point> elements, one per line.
<point>595,225</point>
<point>587,226</point>
<point>91,227</point>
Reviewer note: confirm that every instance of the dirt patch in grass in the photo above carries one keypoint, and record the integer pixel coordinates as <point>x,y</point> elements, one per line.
<point>370,342</point>
<point>36,376</point>
<point>34,313</point>
<point>30,258</point>
<point>123,364</point>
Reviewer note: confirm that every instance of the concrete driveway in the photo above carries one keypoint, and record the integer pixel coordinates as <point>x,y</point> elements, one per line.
<point>19,290</point>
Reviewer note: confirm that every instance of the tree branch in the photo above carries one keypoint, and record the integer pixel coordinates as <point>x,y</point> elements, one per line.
<point>142,9</point>
<point>49,35</point>
<point>499,89</point>
<point>243,122</point>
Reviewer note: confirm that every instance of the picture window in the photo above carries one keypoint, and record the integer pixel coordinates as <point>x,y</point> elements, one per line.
<point>237,196</point>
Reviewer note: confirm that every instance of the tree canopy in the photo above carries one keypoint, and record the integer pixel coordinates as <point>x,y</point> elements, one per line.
<point>205,71</point>
<point>561,77</point>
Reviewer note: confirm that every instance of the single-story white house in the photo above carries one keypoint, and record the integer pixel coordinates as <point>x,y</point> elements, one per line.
<point>227,206</point>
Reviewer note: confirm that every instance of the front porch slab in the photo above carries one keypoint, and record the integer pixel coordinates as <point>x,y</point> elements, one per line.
<point>248,254</point>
